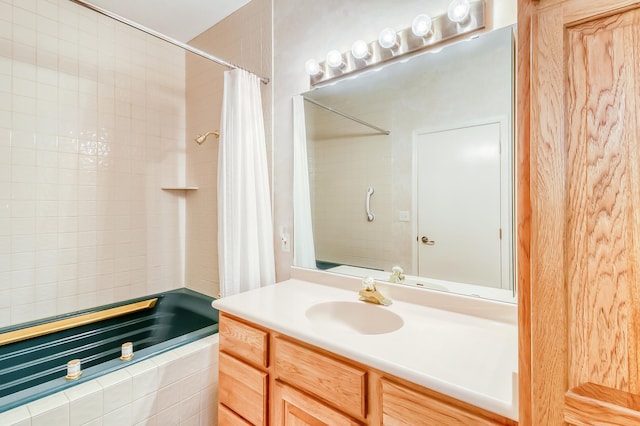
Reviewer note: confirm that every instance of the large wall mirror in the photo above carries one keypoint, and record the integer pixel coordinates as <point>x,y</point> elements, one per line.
<point>411,165</point>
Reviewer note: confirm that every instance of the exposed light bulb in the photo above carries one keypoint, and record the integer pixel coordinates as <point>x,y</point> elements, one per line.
<point>458,10</point>
<point>421,25</point>
<point>388,38</point>
<point>360,49</point>
<point>312,67</point>
<point>334,59</point>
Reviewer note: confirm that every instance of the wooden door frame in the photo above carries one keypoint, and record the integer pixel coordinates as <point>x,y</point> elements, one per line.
<point>522,126</point>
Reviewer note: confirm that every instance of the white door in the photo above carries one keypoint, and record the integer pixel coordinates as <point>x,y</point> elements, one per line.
<point>458,190</point>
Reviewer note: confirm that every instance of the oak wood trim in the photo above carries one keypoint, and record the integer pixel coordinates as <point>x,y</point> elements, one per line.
<point>548,296</point>
<point>591,403</point>
<point>578,11</point>
<point>523,209</point>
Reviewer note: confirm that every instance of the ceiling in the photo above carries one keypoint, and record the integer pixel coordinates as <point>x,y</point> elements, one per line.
<point>178,19</point>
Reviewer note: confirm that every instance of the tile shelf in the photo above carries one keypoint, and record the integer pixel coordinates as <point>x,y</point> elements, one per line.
<point>179,188</point>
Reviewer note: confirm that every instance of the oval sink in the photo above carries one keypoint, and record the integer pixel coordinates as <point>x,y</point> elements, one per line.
<point>354,317</point>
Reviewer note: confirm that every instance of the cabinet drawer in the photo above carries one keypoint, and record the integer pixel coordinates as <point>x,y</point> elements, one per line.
<point>229,418</point>
<point>245,342</point>
<point>243,389</point>
<point>402,406</point>
<point>336,382</point>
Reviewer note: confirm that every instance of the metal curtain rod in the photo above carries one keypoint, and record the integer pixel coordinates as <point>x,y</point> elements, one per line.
<point>164,37</point>
<point>345,115</point>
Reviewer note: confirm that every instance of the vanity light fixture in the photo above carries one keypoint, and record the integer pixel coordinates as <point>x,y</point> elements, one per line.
<point>458,11</point>
<point>388,38</point>
<point>312,68</point>
<point>360,50</point>
<point>421,25</point>
<point>425,33</point>
<point>334,59</point>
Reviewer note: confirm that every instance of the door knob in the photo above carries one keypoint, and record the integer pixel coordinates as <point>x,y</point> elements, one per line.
<point>427,241</point>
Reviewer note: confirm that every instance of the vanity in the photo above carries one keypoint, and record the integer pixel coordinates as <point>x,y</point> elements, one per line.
<point>307,350</point>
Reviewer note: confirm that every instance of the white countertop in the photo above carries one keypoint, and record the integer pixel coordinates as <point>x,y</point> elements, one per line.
<point>469,356</point>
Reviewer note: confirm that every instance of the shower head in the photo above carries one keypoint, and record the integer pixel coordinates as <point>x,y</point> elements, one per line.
<point>200,139</point>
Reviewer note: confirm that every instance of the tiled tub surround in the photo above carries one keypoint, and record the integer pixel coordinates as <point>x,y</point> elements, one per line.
<point>178,387</point>
<point>34,368</point>
<point>92,125</point>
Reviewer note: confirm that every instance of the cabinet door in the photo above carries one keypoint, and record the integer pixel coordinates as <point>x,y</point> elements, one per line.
<point>402,406</point>
<point>294,408</point>
<point>585,197</point>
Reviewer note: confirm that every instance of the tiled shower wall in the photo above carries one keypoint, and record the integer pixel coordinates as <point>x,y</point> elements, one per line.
<point>91,127</point>
<point>243,38</point>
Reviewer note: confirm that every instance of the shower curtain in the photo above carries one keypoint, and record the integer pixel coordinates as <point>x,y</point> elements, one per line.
<point>245,229</point>
<point>304,254</point>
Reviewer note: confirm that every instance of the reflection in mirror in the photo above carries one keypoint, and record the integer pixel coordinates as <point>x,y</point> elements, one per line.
<point>411,165</point>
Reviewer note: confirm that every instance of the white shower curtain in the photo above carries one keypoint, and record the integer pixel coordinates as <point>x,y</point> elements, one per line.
<point>245,229</point>
<point>304,253</point>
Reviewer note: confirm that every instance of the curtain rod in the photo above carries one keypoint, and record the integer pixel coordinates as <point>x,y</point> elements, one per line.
<point>345,115</point>
<point>163,37</point>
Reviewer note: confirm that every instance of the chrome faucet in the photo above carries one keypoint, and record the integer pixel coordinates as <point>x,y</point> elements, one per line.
<point>370,294</point>
<point>397,275</point>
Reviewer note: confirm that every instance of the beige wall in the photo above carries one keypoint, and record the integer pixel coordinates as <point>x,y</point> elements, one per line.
<point>243,38</point>
<point>91,126</point>
<point>309,29</point>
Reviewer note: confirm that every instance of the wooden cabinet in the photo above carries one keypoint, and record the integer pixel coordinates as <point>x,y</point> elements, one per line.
<point>579,210</point>
<point>339,383</point>
<point>243,389</point>
<point>226,417</point>
<point>294,408</point>
<point>243,376</point>
<point>267,378</point>
<point>244,342</point>
<point>402,406</point>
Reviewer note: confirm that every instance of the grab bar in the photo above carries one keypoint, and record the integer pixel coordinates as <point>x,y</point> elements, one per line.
<point>370,216</point>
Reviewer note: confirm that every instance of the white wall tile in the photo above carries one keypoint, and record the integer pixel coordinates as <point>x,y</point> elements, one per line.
<point>144,408</point>
<point>189,409</point>
<point>19,416</point>
<point>69,74</point>
<point>169,395</point>
<point>50,410</point>
<point>85,403</point>
<point>117,388</point>
<point>144,378</point>
<point>119,417</point>
<point>170,416</point>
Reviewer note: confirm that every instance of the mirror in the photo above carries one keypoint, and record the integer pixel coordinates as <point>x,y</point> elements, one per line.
<point>434,195</point>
